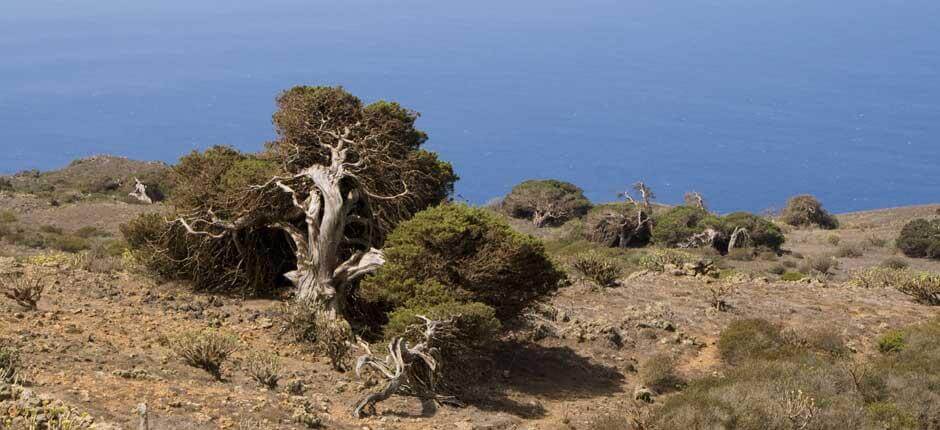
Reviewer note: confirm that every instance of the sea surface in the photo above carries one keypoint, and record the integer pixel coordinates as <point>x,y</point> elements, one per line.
<point>745,101</point>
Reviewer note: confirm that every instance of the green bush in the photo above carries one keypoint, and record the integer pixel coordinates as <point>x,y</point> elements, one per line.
<point>920,238</point>
<point>761,232</point>
<point>89,232</point>
<point>923,287</point>
<point>618,225</point>
<point>894,263</point>
<point>676,225</point>
<point>601,270</point>
<point>805,211</point>
<point>823,264</point>
<point>791,276</point>
<point>777,269</point>
<point>69,243</point>
<point>454,260</point>
<point>892,341</point>
<point>546,202</point>
<point>7,217</point>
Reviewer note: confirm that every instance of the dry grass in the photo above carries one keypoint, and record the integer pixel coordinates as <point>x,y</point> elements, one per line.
<point>205,349</point>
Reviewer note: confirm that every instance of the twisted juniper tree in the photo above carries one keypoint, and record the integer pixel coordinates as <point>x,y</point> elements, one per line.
<point>344,175</point>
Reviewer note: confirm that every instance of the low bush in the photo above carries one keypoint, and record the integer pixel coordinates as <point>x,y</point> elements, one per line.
<point>761,233</point>
<point>7,217</point>
<point>777,269</point>
<point>894,263</point>
<point>89,232</point>
<point>879,277</point>
<point>659,374</point>
<point>454,261</point>
<point>264,368</point>
<point>25,290</point>
<point>741,254</point>
<point>833,239</point>
<point>923,287</point>
<point>68,243</point>
<point>675,226</point>
<point>329,337</point>
<point>805,211</point>
<point>849,251</point>
<point>10,364</point>
<point>752,338</point>
<point>205,349</point>
<point>920,238</point>
<point>657,259</point>
<point>791,276</point>
<point>892,341</point>
<point>546,202</point>
<point>601,270</point>
<point>618,225</point>
<point>822,264</point>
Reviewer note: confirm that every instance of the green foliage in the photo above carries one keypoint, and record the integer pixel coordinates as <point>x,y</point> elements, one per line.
<point>453,260</point>
<point>676,225</point>
<point>920,238</point>
<point>894,263</point>
<point>777,269</point>
<point>761,232</point>
<point>601,270</point>
<point>68,243</point>
<point>923,287</point>
<point>623,224</point>
<point>264,368</point>
<point>892,341</point>
<point>546,202</point>
<point>205,349</point>
<point>805,210</point>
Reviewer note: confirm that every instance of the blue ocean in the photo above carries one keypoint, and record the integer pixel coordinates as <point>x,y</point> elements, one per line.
<point>745,101</point>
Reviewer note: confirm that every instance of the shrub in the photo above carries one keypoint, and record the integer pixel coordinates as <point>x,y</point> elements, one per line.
<point>51,229</point>
<point>658,259</point>
<point>789,264</point>
<point>920,238</point>
<point>329,337</point>
<point>68,243</point>
<point>741,254</point>
<point>849,251</point>
<point>7,217</point>
<point>894,263</point>
<point>26,291</point>
<point>601,270</point>
<point>824,264</point>
<point>618,225</point>
<point>659,374</point>
<point>752,338</point>
<point>453,260</point>
<point>805,210</point>
<point>205,349</point>
<point>923,287</point>
<point>879,277</point>
<point>777,269</point>
<point>9,364</point>
<point>89,232</point>
<point>761,233</point>
<point>678,224</point>
<point>546,202</point>
<point>791,276</point>
<point>264,368</point>
<point>876,241</point>
<point>833,239</point>
<point>892,341</point>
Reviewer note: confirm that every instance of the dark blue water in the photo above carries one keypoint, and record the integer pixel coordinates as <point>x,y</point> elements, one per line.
<point>746,101</point>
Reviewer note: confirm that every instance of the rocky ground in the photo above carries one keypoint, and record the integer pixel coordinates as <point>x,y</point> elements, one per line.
<point>97,347</point>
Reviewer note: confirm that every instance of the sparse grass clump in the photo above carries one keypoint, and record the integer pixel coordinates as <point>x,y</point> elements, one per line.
<point>894,263</point>
<point>822,264</point>
<point>849,251</point>
<point>834,239</point>
<point>264,368</point>
<point>892,341</point>
<point>806,211</point>
<point>205,349</point>
<point>920,238</point>
<point>307,323</point>
<point>7,217</point>
<point>752,338</point>
<point>659,374</point>
<point>599,269</point>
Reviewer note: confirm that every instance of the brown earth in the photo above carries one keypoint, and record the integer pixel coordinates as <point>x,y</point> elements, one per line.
<point>99,340</point>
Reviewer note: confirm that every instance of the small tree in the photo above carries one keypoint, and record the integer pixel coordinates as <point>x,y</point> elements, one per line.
<point>618,225</point>
<point>695,200</point>
<point>546,202</point>
<point>681,225</point>
<point>805,210</point>
<point>314,208</point>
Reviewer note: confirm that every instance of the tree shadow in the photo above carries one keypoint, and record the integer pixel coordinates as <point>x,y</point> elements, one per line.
<point>513,368</point>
